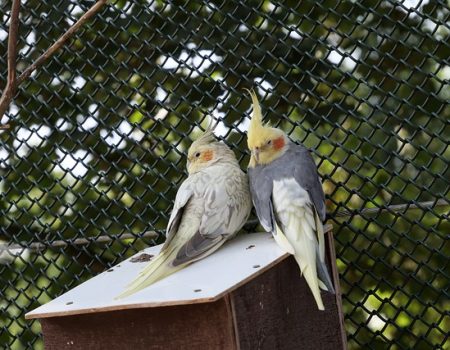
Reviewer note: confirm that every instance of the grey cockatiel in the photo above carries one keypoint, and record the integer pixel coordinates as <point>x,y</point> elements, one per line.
<point>211,206</point>
<point>288,198</point>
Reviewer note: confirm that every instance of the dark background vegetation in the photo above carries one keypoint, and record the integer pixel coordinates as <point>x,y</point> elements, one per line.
<point>99,134</point>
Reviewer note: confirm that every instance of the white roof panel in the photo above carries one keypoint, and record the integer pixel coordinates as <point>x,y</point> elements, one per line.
<point>206,280</point>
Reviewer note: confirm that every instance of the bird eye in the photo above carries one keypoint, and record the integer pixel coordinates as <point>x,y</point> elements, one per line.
<point>197,154</point>
<point>269,142</point>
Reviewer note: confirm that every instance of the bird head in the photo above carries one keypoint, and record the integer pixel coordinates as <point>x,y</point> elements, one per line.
<point>206,151</point>
<point>264,142</point>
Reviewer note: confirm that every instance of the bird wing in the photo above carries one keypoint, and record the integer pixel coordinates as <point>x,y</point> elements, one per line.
<point>222,217</point>
<point>261,184</point>
<point>304,170</point>
<point>305,174</point>
<point>183,196</point>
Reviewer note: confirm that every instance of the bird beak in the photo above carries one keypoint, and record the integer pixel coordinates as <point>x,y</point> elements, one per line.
<point>255,153</point>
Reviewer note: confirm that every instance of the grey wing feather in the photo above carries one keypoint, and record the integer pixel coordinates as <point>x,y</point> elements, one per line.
<point>198,247</point>
<point>261,190</point>
<point>305,173</point>
<point>322,273</point>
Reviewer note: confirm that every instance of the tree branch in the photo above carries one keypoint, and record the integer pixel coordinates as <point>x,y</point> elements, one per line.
<point>60,42</point>
<point>10,88</point>
<point>13,83</point>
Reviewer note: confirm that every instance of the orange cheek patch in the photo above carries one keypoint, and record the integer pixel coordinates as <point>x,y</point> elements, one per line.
<point>207,156</point>
<point>279,143</point>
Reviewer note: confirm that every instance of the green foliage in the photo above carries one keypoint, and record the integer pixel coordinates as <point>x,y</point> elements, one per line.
<point>362,83</point>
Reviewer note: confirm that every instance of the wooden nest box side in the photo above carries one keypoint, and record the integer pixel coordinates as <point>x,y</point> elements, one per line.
<point>272,308</point>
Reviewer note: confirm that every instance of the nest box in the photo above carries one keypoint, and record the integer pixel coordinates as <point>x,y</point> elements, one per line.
<point>247,295</point>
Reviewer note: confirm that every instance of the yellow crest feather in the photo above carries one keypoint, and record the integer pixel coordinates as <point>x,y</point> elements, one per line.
<point>259,134</point>
<point>256,127</point>
<point>256,120</point>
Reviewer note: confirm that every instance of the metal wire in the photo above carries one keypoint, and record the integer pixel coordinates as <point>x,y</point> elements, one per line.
<point>98,135</point>
<point>75,242</point>
<point>394,208</point>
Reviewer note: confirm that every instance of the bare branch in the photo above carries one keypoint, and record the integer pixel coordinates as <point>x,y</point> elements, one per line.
<point>13,83</point>
<point>60,42</point>
<point>10,88</point>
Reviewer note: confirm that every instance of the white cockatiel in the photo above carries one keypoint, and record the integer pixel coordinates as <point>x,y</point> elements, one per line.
<point>211,206</point>
<point>288,198</point>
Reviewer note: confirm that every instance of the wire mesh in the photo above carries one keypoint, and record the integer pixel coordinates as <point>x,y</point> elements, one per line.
<point>99,135</point>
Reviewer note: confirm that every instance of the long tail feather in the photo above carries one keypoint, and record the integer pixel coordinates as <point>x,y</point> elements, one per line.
<point>305,254</point>
<point>313,283</point>
<point>282,241</point>
<point>320,235</point>
<point>156,270</point>
<point>324,277</point>
<point>322,270</point>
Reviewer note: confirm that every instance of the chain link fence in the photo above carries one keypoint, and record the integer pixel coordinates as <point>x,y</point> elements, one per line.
<point>96,149</point>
